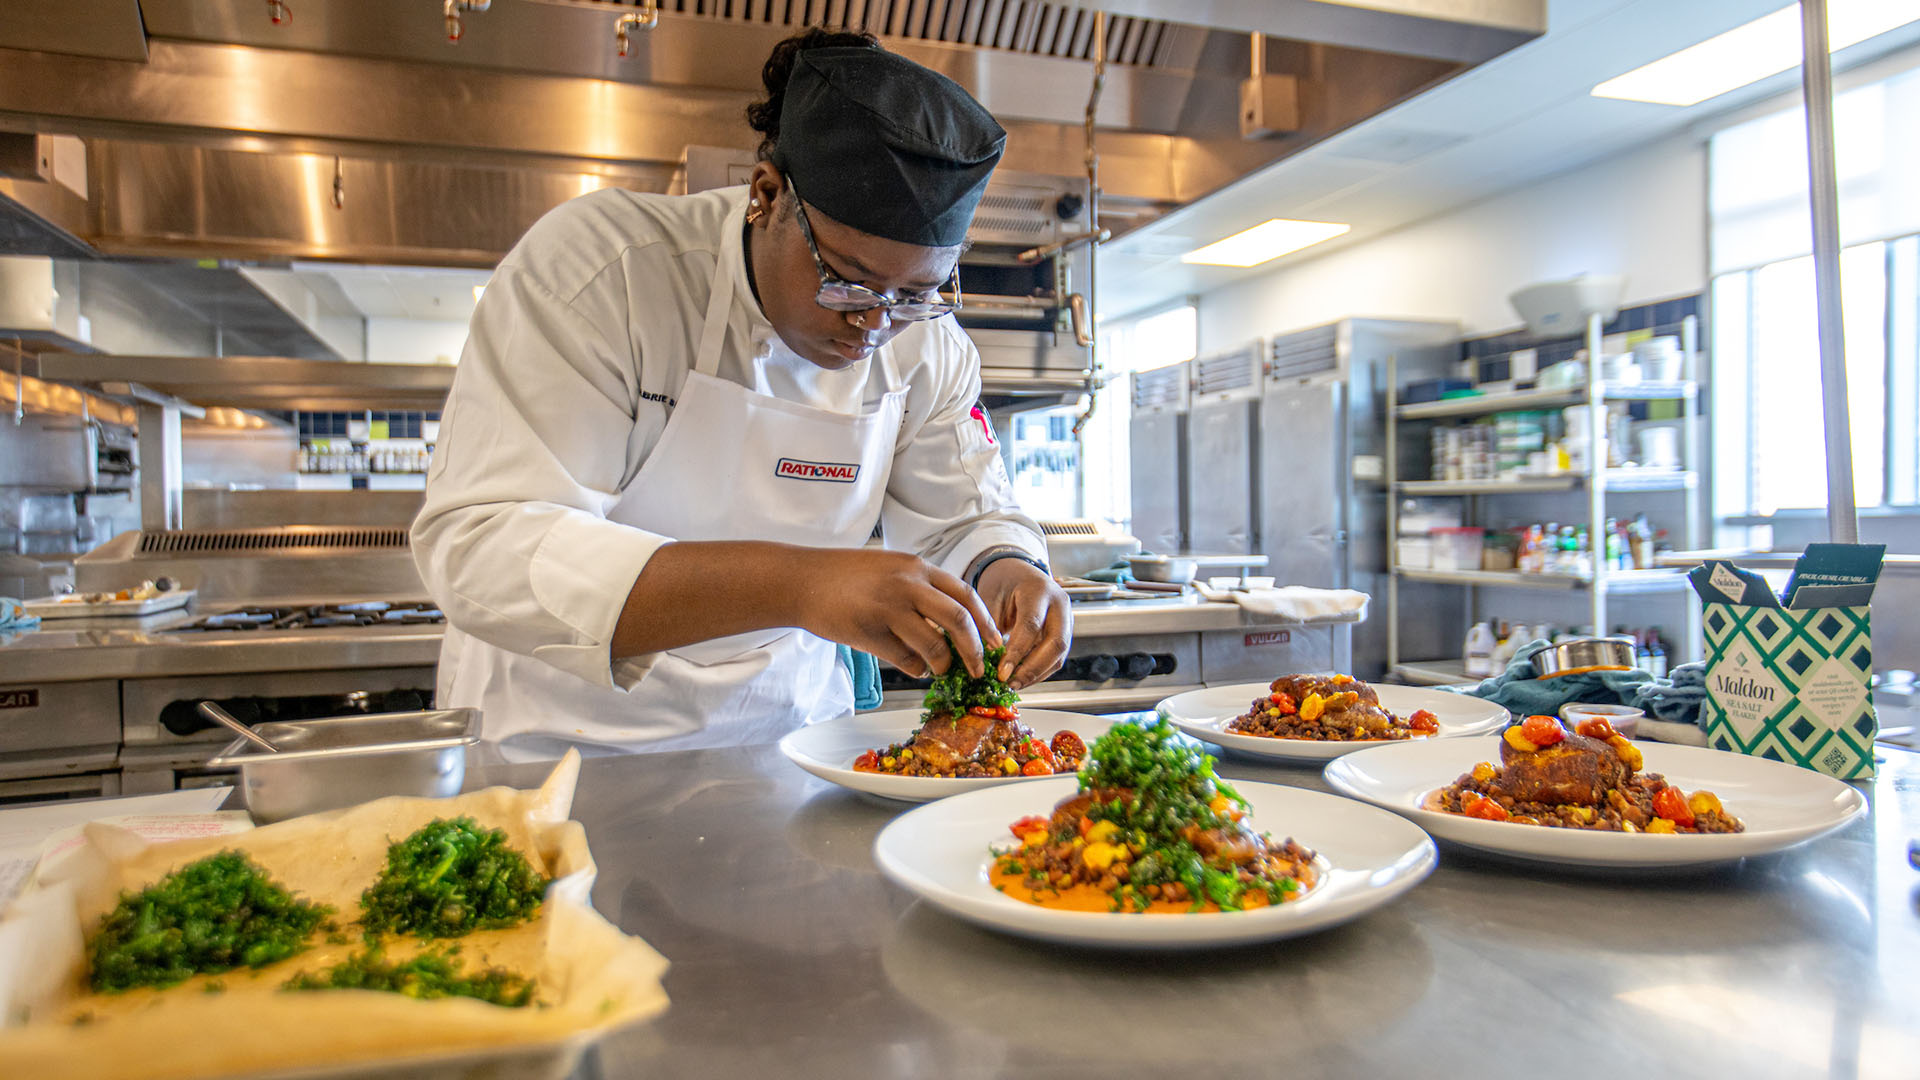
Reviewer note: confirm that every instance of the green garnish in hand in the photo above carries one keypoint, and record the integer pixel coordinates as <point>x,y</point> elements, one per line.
<point>956,691</point>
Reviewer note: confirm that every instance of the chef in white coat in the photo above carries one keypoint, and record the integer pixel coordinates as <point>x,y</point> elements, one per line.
<point>678,419</point>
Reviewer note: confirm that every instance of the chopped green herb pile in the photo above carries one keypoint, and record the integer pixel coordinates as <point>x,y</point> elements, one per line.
<point>956,691</point>
<point>1174,791</point>
<point>449,878</point>
<point>431,974</point>
<point>1171,779</point>
<point>215,914</point>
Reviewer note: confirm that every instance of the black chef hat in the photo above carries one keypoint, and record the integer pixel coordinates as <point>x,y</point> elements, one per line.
<point>884,145</point>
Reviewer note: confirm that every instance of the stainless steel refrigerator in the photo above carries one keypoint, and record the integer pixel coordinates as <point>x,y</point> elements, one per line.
<point>1279,452</point>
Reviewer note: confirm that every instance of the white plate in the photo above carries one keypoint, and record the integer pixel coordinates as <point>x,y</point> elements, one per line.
<point>940,852</point>
<point>827,750</point>
<point>1782,805</point>
<point>1204,714</point>
<point>80,609</point>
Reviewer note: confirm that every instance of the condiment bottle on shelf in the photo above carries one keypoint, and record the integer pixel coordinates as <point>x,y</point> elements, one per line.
<point>1479,650</point>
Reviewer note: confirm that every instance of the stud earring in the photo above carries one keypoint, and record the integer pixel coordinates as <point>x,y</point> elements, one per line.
<point>754,212</point>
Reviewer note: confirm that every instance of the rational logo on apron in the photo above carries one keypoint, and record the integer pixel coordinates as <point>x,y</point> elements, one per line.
<point>830,471</point>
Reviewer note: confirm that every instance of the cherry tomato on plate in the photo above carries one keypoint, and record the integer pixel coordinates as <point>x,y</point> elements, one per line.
<point>1068,745</point>
<point>1027,825</point>
<point>1671,803</point>
<point>867,762</point>
<point>1485,809</point>
<point>1424,722</point>
<point>1542,731</point>
<point>1036,767</point>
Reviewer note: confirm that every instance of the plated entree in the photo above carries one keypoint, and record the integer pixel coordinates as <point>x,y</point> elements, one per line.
<point>1589,778</point>
<point>1328,708</point>
<point>971,728</point>
<point>1151,829</point>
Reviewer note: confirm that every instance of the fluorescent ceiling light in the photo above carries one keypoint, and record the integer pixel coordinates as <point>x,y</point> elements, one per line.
<point>1265,241</point>
<point>1746,54</point>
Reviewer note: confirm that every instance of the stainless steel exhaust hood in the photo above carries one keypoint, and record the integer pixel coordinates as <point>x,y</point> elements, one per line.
<point>355,131</point>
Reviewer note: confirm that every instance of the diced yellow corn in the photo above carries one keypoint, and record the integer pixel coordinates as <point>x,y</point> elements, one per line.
<point>1079,841</point>
<point>1660,825</point>
<point>905,754</point>
<point>1102,831</point>
<point>887,762</point>
<point>1483,772</point>
<point>1582,814</point>
<point>1034,838</point>
<point>1704,802</point>
<point>1007,766</point>
<point>1311,708</point>
<point>1519,741</point>
<point>1099,856</point>
<point>1628,826</point>
<point>1273,712</point>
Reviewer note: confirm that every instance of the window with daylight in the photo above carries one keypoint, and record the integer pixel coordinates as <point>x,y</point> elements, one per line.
<point>1056,475</point>
<point>1769,446</point>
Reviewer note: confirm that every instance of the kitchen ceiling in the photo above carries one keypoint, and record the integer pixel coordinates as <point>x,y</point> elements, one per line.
<point>392,292</point>
<point>1512,121</point>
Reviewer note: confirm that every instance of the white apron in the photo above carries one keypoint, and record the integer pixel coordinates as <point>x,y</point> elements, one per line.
<point>731,464</point>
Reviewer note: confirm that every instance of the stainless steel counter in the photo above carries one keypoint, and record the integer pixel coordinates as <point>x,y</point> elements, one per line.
<point>1174,615</point>
<point>792,957</point>
<point>129,649</point>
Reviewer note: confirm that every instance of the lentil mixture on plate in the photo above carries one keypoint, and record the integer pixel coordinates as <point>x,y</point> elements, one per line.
<point>1586,779</point>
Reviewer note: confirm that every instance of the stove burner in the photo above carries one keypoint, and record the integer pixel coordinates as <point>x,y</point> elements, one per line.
<point>318,616</point>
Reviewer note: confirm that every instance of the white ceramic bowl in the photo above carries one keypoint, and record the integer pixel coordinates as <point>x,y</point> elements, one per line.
<point>1624,718</point>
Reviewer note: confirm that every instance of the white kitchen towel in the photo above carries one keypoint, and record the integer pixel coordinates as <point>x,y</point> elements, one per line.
<point>1295,603</point>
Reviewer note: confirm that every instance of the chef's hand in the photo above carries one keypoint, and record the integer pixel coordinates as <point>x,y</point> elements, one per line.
<point>1032,610</point>
<point>897,606</point>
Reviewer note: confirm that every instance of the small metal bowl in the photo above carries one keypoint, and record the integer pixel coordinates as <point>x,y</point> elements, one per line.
<point>1171,569</point>
<point>1584,654</point>
<point>347,760</point>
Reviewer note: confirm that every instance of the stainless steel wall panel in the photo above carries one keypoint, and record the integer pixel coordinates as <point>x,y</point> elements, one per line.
<point>1223,440</point>
<point>1157,452</point>
<point>1303,503</point>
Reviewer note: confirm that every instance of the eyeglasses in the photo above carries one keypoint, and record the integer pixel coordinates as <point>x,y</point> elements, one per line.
<point>838,295</point>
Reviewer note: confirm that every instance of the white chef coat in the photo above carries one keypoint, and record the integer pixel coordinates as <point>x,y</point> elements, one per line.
<point>578,352</point>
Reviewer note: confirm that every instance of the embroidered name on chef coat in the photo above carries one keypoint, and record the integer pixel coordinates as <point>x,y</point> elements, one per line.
<point>830,471</point>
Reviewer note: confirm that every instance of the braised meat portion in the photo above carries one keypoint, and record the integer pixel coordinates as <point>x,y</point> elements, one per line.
<point>1326,685</point>
<point>947,741</point>
<point>1576,771</point>
<point>1321,706</point>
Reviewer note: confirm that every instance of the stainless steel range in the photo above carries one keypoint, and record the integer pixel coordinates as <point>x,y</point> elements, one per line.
<point>288,623</point>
